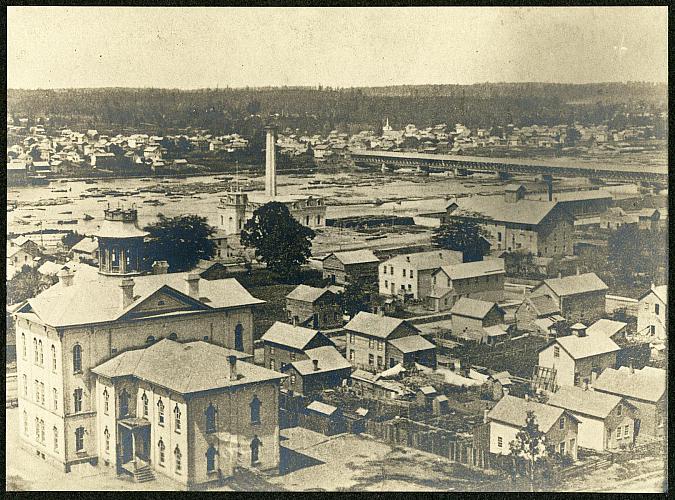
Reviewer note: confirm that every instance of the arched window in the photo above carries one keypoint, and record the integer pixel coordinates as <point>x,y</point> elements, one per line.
<point>23,345</point>
<point>55,430</point>
<point>161,448</point>
<point>255,410</point>
<point>239,337</point>
<point>255,450</point>
<point>173,336</point>
<point>115,258</point>
<point>42,354</point>
<point>124,403</point>
<point>178,455</point>
<point>211,459</point>
<point>210,418</point>
<point>176,415</point>
<point>106,401</point>
<point>79,439</point>
<point>150,339</point>
<point>77,358</point>
<point>160,412</point>
<point>25,423</point>
<point>144,399</point>
<point>106,435</point>
<point>35,351</point>
<point>53,357</point>
<point>77,400</point>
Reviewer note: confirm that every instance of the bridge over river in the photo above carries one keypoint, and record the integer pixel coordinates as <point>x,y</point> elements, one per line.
<point>568,167</point>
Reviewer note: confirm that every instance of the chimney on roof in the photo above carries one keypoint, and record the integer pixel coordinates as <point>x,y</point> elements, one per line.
<point>232,361</point>
<point>407,258</point>
<point>578,270</point>
<point>160,267</point>
<point>579,329</point>
<point>559,274</point>
<point>585,385</point>
<point>631,368</point>
<point>485,415</point>
<point>193,285</point>
<point>65,276</point>
<point>527,397</point>
<point>315,363</point>
<point>127,286</point>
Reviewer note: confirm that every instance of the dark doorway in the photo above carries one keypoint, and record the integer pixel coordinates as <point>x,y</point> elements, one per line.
<point>255,449</point>
<point>239,337</point>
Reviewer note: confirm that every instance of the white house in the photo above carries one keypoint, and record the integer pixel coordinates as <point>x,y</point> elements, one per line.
<point>653,313</point>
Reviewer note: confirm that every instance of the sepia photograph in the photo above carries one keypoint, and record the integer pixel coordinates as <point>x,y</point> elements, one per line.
<point>337,249</point>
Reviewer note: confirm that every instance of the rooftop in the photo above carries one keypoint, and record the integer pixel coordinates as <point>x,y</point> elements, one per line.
<point>94,298</point>
<point>355,257</point>
<point>86,245</point>
<point>660,291</point>
<point>530,212</point>
<point>185,368</point>
<point>307,293</point>
<point>587,402</point>
<point>606,327</point>
<point>586,346</point>
<point>473,269</point>
<point>513,411</point>
<point>329,360</point>
<point>292,336</point>
<point>412,343</point>
<point>648,384</point>
<point>374,324</point>
<point>544,305</point>
<point>575,284</point>
<point>472,308</point>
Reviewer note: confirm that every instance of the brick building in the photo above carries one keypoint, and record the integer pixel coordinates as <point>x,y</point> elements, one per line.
<point>351,267</point>
<point>314,307</point>
<point>284,343</point>
<point>579,297</point>
<point>470,317</point>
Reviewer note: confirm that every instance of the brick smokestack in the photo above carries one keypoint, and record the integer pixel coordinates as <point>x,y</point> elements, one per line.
<point>127,286</point>
<point>270,161</point>
<point>315,363</point>
<point>232,361</point>
<point>193,285</point>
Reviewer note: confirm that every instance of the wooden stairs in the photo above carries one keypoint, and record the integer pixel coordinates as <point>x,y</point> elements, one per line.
<point>144,474</point>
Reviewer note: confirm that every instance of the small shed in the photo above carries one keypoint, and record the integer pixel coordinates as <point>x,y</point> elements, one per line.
<point>324,418</point>
<point>425,396</point>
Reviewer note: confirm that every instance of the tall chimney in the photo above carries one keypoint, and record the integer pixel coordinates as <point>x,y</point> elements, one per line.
<point>485,415</point>
<point>160,267</point>
<point>193,285</point>
<point>232,361</point>
<point>315,363</point>
<point>127,286</point>
<point>65,276</point>
<point>270,161</point>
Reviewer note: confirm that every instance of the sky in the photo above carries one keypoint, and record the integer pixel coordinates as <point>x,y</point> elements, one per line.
<point>173,47</point>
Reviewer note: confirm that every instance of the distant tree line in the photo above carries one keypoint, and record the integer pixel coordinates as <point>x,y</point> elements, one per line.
<point>320,110</point>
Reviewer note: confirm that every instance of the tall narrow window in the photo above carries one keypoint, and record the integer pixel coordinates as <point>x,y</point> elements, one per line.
<point>106,435</point>
<point>106,401</point>
<point>210,419</point>
<point>255,450</point>
<point>55,395</point>
<point>176,415</point>
<point>179,456</point>
<point>42,431</point>
<point>124,403</point>
<point>42,355</point>
<point>42,393</point>
<point>161,449</point>
<point>25,423</point>
<point>79,439</point>
<point>160,412</point>
<point>77,400</point>
<point>239,337</point>
<point>144,399</point>
<point>37,429</point>
<point>53,357</point>
<point>55,430</point>
<point>36,355</point>
<point>25,385</point>
<point>255,410</point>
<point>211,459</point>
<point>77,358</point>
<point>23,345</point>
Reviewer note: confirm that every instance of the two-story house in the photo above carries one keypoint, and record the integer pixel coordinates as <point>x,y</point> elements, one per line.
<point>578,359</point>
<point>411,274</point>
<point>476,280</point>
<point>653,313</point>
<point>606,421</point>
<point>470,318</point>
<point>324,368</point>
<point>314,307</point>
<point>580,297</point>
<point>284,343</point>
<point>351,267</point>
<point>375,343</point>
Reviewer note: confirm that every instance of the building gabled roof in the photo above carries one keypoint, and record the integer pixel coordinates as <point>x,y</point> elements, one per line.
<point>86,245</point>
<point>422,261</point>
<point>322,408</point>
<point>355,257</point>
<point>648,384</point>
<point>50,267</point>
<point>307,293</point>
<point>576,284</point>
<point>586,402</point>
<point>375,325</point>
<point>474,269</point>
<point>185,368</point>
<point>428,390</point>
<point>473,308</point>
<point>412,343</point>
<point>661,293</point>
<point>584,347</point>
<point>94,298</point>
<point>606,327</point>
<point>328,357</point>
<point>295,337</point>
<point>544,305</point>
<point>496,208</point>
<point>513,411</point>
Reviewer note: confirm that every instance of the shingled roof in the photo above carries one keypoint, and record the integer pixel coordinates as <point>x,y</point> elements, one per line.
<point>586,346</point>
<point>307,293</point>
<point>473,308</point>
<point>544,305</point>
<point>412,343</point>
<point>648,384</point>
<point>287,335</point>
<point>355,257</point>
<point>586,402</point>
<point>375,325</point>
<point>530,212</point>
<point>328,357</point>
<point>513,411</point>
<point>422,261</point>
<point>185,367</point>
<point>576,284</point>
<point>465,270</point>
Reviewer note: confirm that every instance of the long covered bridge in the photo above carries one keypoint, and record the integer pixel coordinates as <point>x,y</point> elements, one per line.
<point>521,166</point>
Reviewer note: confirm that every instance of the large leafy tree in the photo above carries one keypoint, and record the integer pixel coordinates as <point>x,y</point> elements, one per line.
<point>26,284</point>
<point>181,241</point>
<point>464,236</point>
<point>358,296</point>
<point>529,447</point>
<point>280,241</point>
